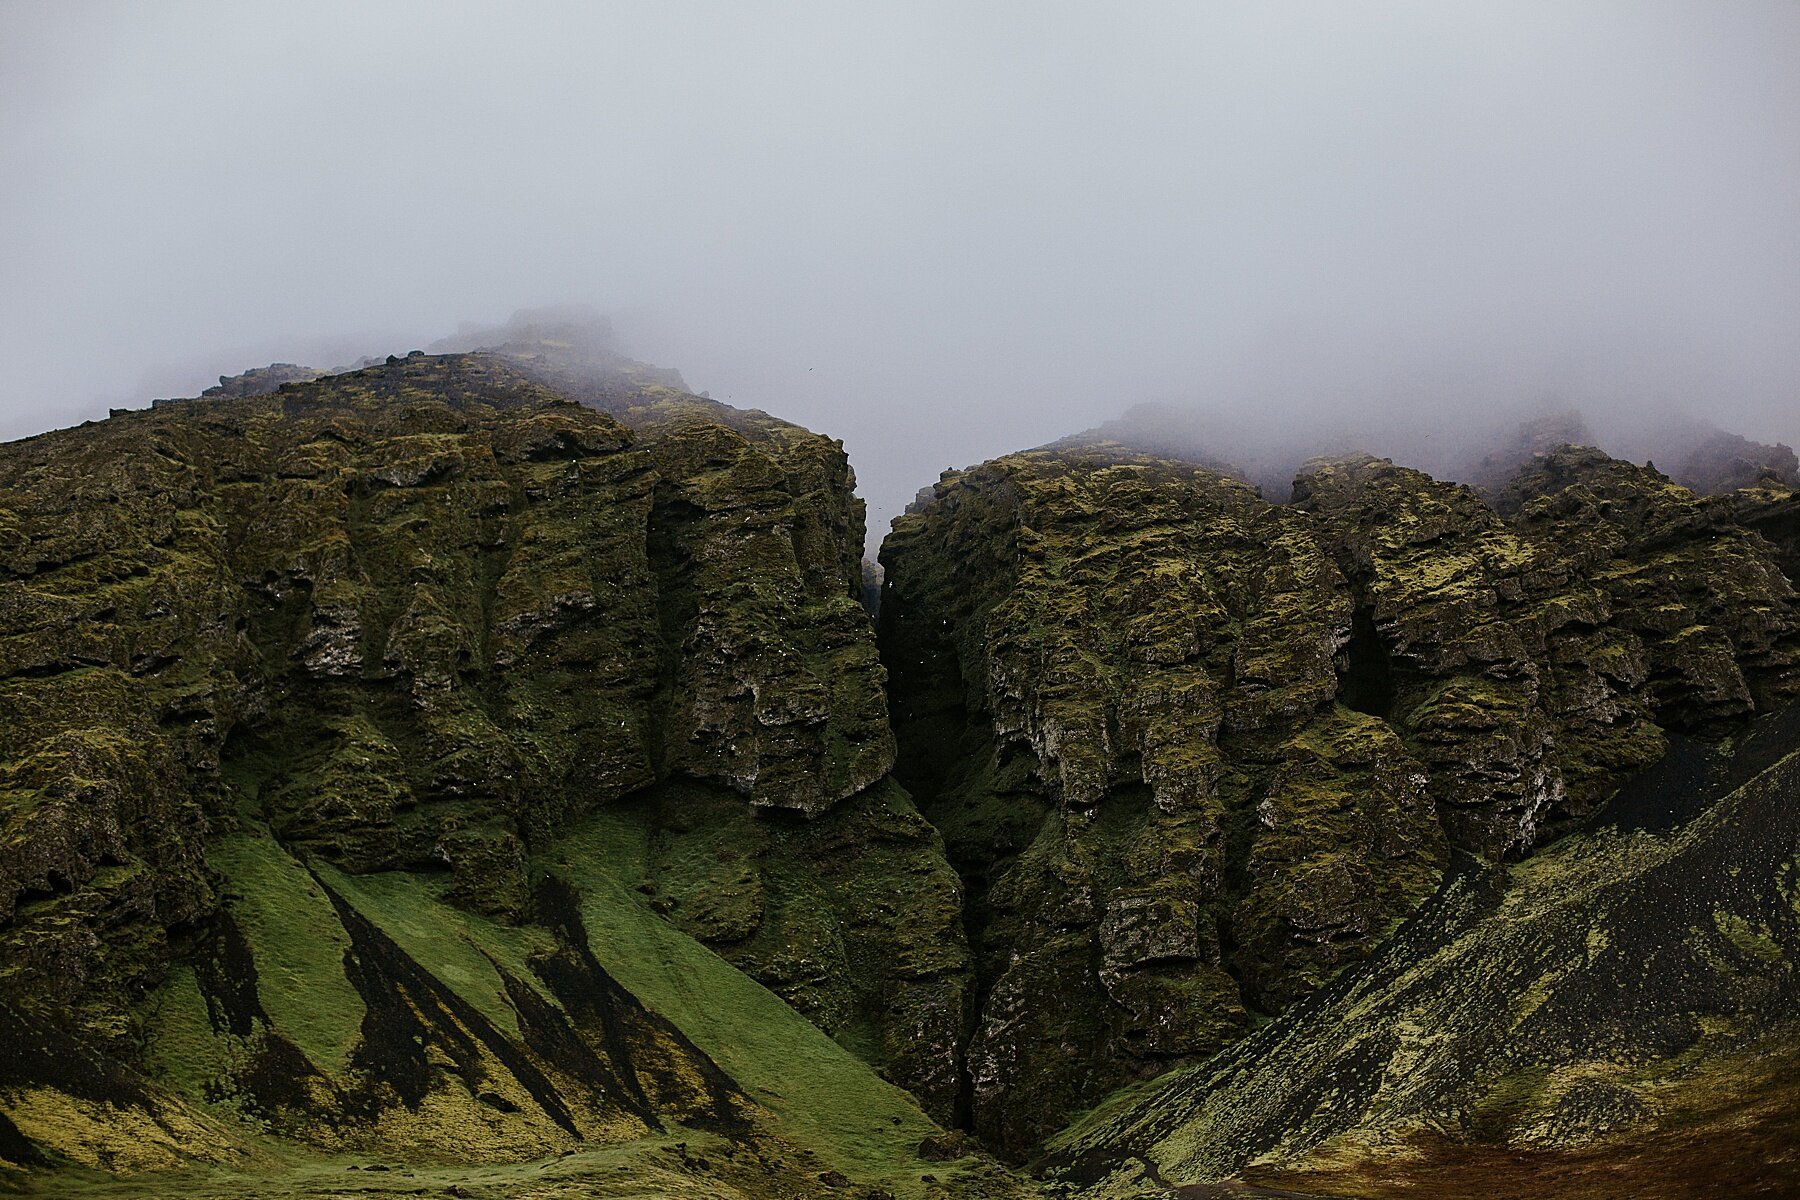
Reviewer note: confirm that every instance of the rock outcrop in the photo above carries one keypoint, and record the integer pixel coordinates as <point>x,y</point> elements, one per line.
<point>257,381</point>
<point>1193,752</point>
<point>260,381</point>
<point>1617,1016</point>
<point>1713,461</point>
<point>1493,467</point>
<point>414,625</point>
<point>1725,462</point>
<point>489,755</point>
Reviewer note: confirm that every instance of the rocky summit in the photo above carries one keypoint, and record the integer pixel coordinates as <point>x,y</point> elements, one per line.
<point>1209,751</point>
<point>478,773</point>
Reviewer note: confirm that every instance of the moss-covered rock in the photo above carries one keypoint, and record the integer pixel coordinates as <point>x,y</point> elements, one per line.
<point>1616,1015</point>
<point>1194,752</point>
<point>854,917</point>
<point>1113,679</point>
<point>415,621</point>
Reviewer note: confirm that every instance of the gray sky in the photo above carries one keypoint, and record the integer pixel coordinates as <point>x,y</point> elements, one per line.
<point>938,231</point>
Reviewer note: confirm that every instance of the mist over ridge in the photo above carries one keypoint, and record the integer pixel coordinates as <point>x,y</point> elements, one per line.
<point>579,351</point>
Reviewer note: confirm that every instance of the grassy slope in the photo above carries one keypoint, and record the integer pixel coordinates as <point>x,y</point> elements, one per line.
<point>825,1097</point>
<point>824,1109</point>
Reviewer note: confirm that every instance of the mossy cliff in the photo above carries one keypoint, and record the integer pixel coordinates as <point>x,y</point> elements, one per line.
<point>483,765</point>
<point>380,643</point>
<point>1616,1016</point>
<point>1194,752</point>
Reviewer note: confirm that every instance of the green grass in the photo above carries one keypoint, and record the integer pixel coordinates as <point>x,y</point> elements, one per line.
<point>299,945</point>
<point>823,1105</point>
<point>458,947</point>
<point>825,1097</point>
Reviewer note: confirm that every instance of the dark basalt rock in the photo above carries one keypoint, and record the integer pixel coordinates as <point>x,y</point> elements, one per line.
<point>459,605</point>
<point>417,620</point>
<point>1629,989</point>
<point>1113,681</point>
<point>1193,752</point>
<point>425,759</point>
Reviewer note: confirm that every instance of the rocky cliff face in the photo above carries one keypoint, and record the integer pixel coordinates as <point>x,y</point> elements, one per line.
<point>488,755</point>
<point>1616,1016</point>
<point>1113,683</point>
<point>419,622</point>
<point>1208,750</point>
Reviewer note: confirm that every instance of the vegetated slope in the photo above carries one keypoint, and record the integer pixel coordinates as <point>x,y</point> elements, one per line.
<point>300,691</point>
<point>1615,1016</point>
<point>1193,752</point>
<point>415,763</point>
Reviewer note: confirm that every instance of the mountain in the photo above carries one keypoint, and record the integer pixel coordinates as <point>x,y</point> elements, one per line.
<point>1618,1015</point>
<point>478,770</point>
<point>383,753</point>
<point>1193,753</point>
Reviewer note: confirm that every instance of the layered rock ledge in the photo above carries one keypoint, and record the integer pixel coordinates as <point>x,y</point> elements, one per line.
<point>1193,752</point>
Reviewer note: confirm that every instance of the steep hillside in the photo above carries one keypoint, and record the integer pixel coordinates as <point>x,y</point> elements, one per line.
<point>302,692</point>
<point>1193,752</point>
<point>1616,1016</point>
<point>479,771</point>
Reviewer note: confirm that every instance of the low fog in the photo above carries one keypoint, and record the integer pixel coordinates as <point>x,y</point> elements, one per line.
<point>937,231</point>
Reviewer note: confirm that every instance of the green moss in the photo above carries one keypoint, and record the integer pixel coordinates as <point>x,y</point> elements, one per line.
<point>181,1048</point>
<point>463,949</point>
<point>1754,940</point>
<point>299,946</point>
<point>825,1097</point>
